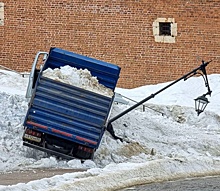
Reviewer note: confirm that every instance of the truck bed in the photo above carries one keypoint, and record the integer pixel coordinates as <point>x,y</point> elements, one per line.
<point>67,117</point>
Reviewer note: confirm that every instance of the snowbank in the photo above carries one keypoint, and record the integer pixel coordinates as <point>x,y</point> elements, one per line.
<point>158,147</point>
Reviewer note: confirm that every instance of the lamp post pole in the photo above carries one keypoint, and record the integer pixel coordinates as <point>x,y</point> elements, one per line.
<point>185,77</point>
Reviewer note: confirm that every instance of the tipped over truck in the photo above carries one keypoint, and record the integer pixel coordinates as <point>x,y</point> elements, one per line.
<point>63,119</point>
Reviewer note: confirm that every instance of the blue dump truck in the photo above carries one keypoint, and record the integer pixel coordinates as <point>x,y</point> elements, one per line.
<point>62,119</point>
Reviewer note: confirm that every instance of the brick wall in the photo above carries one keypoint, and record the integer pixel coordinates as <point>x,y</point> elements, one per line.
<point>119,32</point>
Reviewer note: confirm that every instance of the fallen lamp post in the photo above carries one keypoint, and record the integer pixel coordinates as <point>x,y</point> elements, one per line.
<point>200,102</point>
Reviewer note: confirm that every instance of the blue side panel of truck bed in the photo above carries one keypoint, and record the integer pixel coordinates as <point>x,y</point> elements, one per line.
<point>106,73</point>
<point>67,111</point>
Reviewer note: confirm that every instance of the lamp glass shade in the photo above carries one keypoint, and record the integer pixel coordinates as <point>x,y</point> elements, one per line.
<point>200,104</point>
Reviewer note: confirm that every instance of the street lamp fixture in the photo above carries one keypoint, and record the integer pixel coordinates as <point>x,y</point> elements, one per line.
<point>200,104</point>
<point>201,101</point>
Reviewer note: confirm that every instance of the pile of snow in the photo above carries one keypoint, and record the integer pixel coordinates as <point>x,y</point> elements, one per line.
<point>80,78</point>
<point>157,147</point>
<point>12,83</point>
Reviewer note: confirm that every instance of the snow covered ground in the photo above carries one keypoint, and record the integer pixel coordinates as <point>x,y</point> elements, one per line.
<point>158,147</point>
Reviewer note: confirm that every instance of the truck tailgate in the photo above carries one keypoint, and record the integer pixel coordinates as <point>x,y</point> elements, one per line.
<point>68,112</point>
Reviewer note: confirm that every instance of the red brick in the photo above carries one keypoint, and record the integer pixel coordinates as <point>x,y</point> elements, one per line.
<point>119,32</point>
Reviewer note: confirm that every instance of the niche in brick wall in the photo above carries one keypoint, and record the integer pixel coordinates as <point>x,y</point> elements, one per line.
<point>165,30</point>
<point>1,14</point>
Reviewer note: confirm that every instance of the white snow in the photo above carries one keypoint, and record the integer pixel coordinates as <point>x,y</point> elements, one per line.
<point>80,78</point>
<point>177,144</point>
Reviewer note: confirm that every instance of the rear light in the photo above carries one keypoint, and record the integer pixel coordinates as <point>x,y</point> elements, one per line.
<point>33,133</point>
<point>85,149</point>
